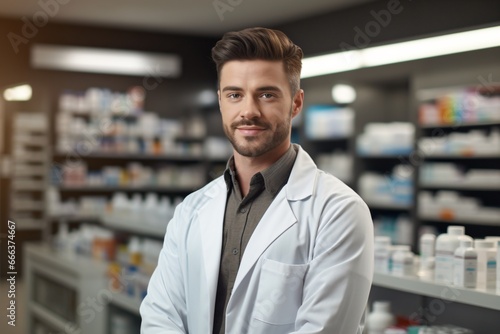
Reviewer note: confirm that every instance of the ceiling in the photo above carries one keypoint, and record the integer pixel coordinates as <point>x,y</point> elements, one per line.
<point>200,17</point>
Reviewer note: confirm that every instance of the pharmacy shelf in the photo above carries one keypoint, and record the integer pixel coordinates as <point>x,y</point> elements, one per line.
<point>82,275</point>
<point>476,220</point>
<point>483,298</point>
<point>382,155</point>
<point>373,204</point>
<point>101,115</point>
<point>329,139</point>
<point>158,189</point>
<point>27,223</point>
<point>75,218</point>
<point>125,302</point>
<point>50,318</point>
<point>27,205</point>
<point>135,156</point>
<point>22,184</point>
<point>466,155</point>
<point>461,185</point>
<point>139,225</point>
<point>459,125</point>
<point>66,261</point>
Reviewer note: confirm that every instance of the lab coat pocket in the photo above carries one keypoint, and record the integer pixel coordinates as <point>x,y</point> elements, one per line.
<point>280,292</point>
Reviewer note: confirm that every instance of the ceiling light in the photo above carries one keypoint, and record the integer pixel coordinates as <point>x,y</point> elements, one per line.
<point>330,63</point>
<point>18,93</point>
<point>97,60</point>
<point>343,94</point>
<point>401,52</point>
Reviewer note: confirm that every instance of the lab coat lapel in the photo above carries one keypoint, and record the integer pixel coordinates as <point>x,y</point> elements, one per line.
<point>279,216</point>
<point>277,219</point>
<point>211,221</point>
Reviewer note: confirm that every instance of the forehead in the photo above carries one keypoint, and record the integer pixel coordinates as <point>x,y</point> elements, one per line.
<point>253,70</point>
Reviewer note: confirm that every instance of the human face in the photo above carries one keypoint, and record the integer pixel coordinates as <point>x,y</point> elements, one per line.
<point>257,107</point>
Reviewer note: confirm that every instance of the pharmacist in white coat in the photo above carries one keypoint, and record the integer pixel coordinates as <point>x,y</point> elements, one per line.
<point>274,245</point>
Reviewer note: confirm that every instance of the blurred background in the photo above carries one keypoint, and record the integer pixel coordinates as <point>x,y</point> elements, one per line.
<point>109,117</point>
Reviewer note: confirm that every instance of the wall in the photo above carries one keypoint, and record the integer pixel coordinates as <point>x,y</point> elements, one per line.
<point>170,97</point>
<point>325,33</point>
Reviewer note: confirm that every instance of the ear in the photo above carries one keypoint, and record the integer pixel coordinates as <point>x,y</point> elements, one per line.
<point>218,98</point>
<point>297,103</point>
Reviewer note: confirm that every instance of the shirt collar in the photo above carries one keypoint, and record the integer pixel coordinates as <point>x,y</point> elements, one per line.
<point>275,176</point>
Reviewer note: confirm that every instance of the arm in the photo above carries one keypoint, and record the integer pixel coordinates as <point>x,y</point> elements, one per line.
<point>163,310</point>
<point>338,282</point>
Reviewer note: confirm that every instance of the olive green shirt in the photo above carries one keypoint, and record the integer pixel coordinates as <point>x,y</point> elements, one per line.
<point>241,217</point>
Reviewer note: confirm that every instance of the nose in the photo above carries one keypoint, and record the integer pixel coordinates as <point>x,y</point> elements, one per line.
<point>250,109</point>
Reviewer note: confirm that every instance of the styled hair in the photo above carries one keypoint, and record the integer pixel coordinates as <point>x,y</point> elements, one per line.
<point>263,44</point>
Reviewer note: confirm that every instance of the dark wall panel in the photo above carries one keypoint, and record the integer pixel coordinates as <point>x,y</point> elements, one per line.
<point>409,18</point>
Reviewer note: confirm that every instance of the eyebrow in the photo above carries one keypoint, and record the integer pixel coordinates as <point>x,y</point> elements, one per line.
<point>260,89</point>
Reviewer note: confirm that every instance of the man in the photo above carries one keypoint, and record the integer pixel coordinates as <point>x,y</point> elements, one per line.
<point>274,245</point>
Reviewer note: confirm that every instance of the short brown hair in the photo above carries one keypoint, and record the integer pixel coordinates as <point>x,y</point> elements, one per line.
<point>260,43</point>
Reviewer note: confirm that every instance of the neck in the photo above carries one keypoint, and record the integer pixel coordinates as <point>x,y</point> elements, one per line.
<point>248,166</point>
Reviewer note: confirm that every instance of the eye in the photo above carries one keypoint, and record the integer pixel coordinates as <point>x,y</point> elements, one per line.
<point>234,95</point>
<point>267,95</point>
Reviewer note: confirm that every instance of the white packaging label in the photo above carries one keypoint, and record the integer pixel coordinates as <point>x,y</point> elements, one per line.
<point>444,267</point>
<point>382,261</point>
<point>486,270</point>
<point>498,266</point>
<point>465,272</point>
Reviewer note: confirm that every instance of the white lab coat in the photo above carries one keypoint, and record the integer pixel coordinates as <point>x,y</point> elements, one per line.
<point>307,267</point>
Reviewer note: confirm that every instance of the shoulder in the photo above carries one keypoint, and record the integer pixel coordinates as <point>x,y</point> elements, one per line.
<point>337,199</point>
<point>197,198</point>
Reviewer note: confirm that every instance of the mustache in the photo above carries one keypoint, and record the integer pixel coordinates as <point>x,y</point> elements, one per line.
<point>247,122</point>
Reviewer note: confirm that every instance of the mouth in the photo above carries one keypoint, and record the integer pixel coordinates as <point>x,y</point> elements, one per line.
<point>250,130</point>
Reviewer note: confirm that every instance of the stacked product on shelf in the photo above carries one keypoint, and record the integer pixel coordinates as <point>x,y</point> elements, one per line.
<point>394,138</point>
<point>329,122</point>
<point>83,206</point>
<point>149,215</point>
<point>382,321</point>
<point>448,174</point>
<point>471,143</point>
<point>337,163</point>
<point>449,206</point>
<point>30,164</point>
<point>399,228</point>
<point>461,106</point>
<point>98,121</point>
<point>133,266</point>
<point>331,129</point>
<point>130,264</point>
<point>124,170</point>
<point>459,151</point>
<point>391,189</point>
<point>135,174</point>
<point>451,258</point>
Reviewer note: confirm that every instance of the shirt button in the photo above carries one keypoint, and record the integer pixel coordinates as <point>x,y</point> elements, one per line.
<point>235,251</point>
<point>243,210</point>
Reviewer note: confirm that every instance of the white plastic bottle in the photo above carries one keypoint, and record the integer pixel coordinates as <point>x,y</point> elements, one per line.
<point>402,263</point>
<point>380,318</point>
<point>382,254</point>
<point>61,239</point>
<point>465,266</point>
<point>498,266</point>
<point>427,247</point>
<point>135,251</point>
<point>446,244</point>
<point>486,264</point>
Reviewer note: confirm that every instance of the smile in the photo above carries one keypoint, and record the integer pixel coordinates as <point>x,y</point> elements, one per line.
<point>249,131</point>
